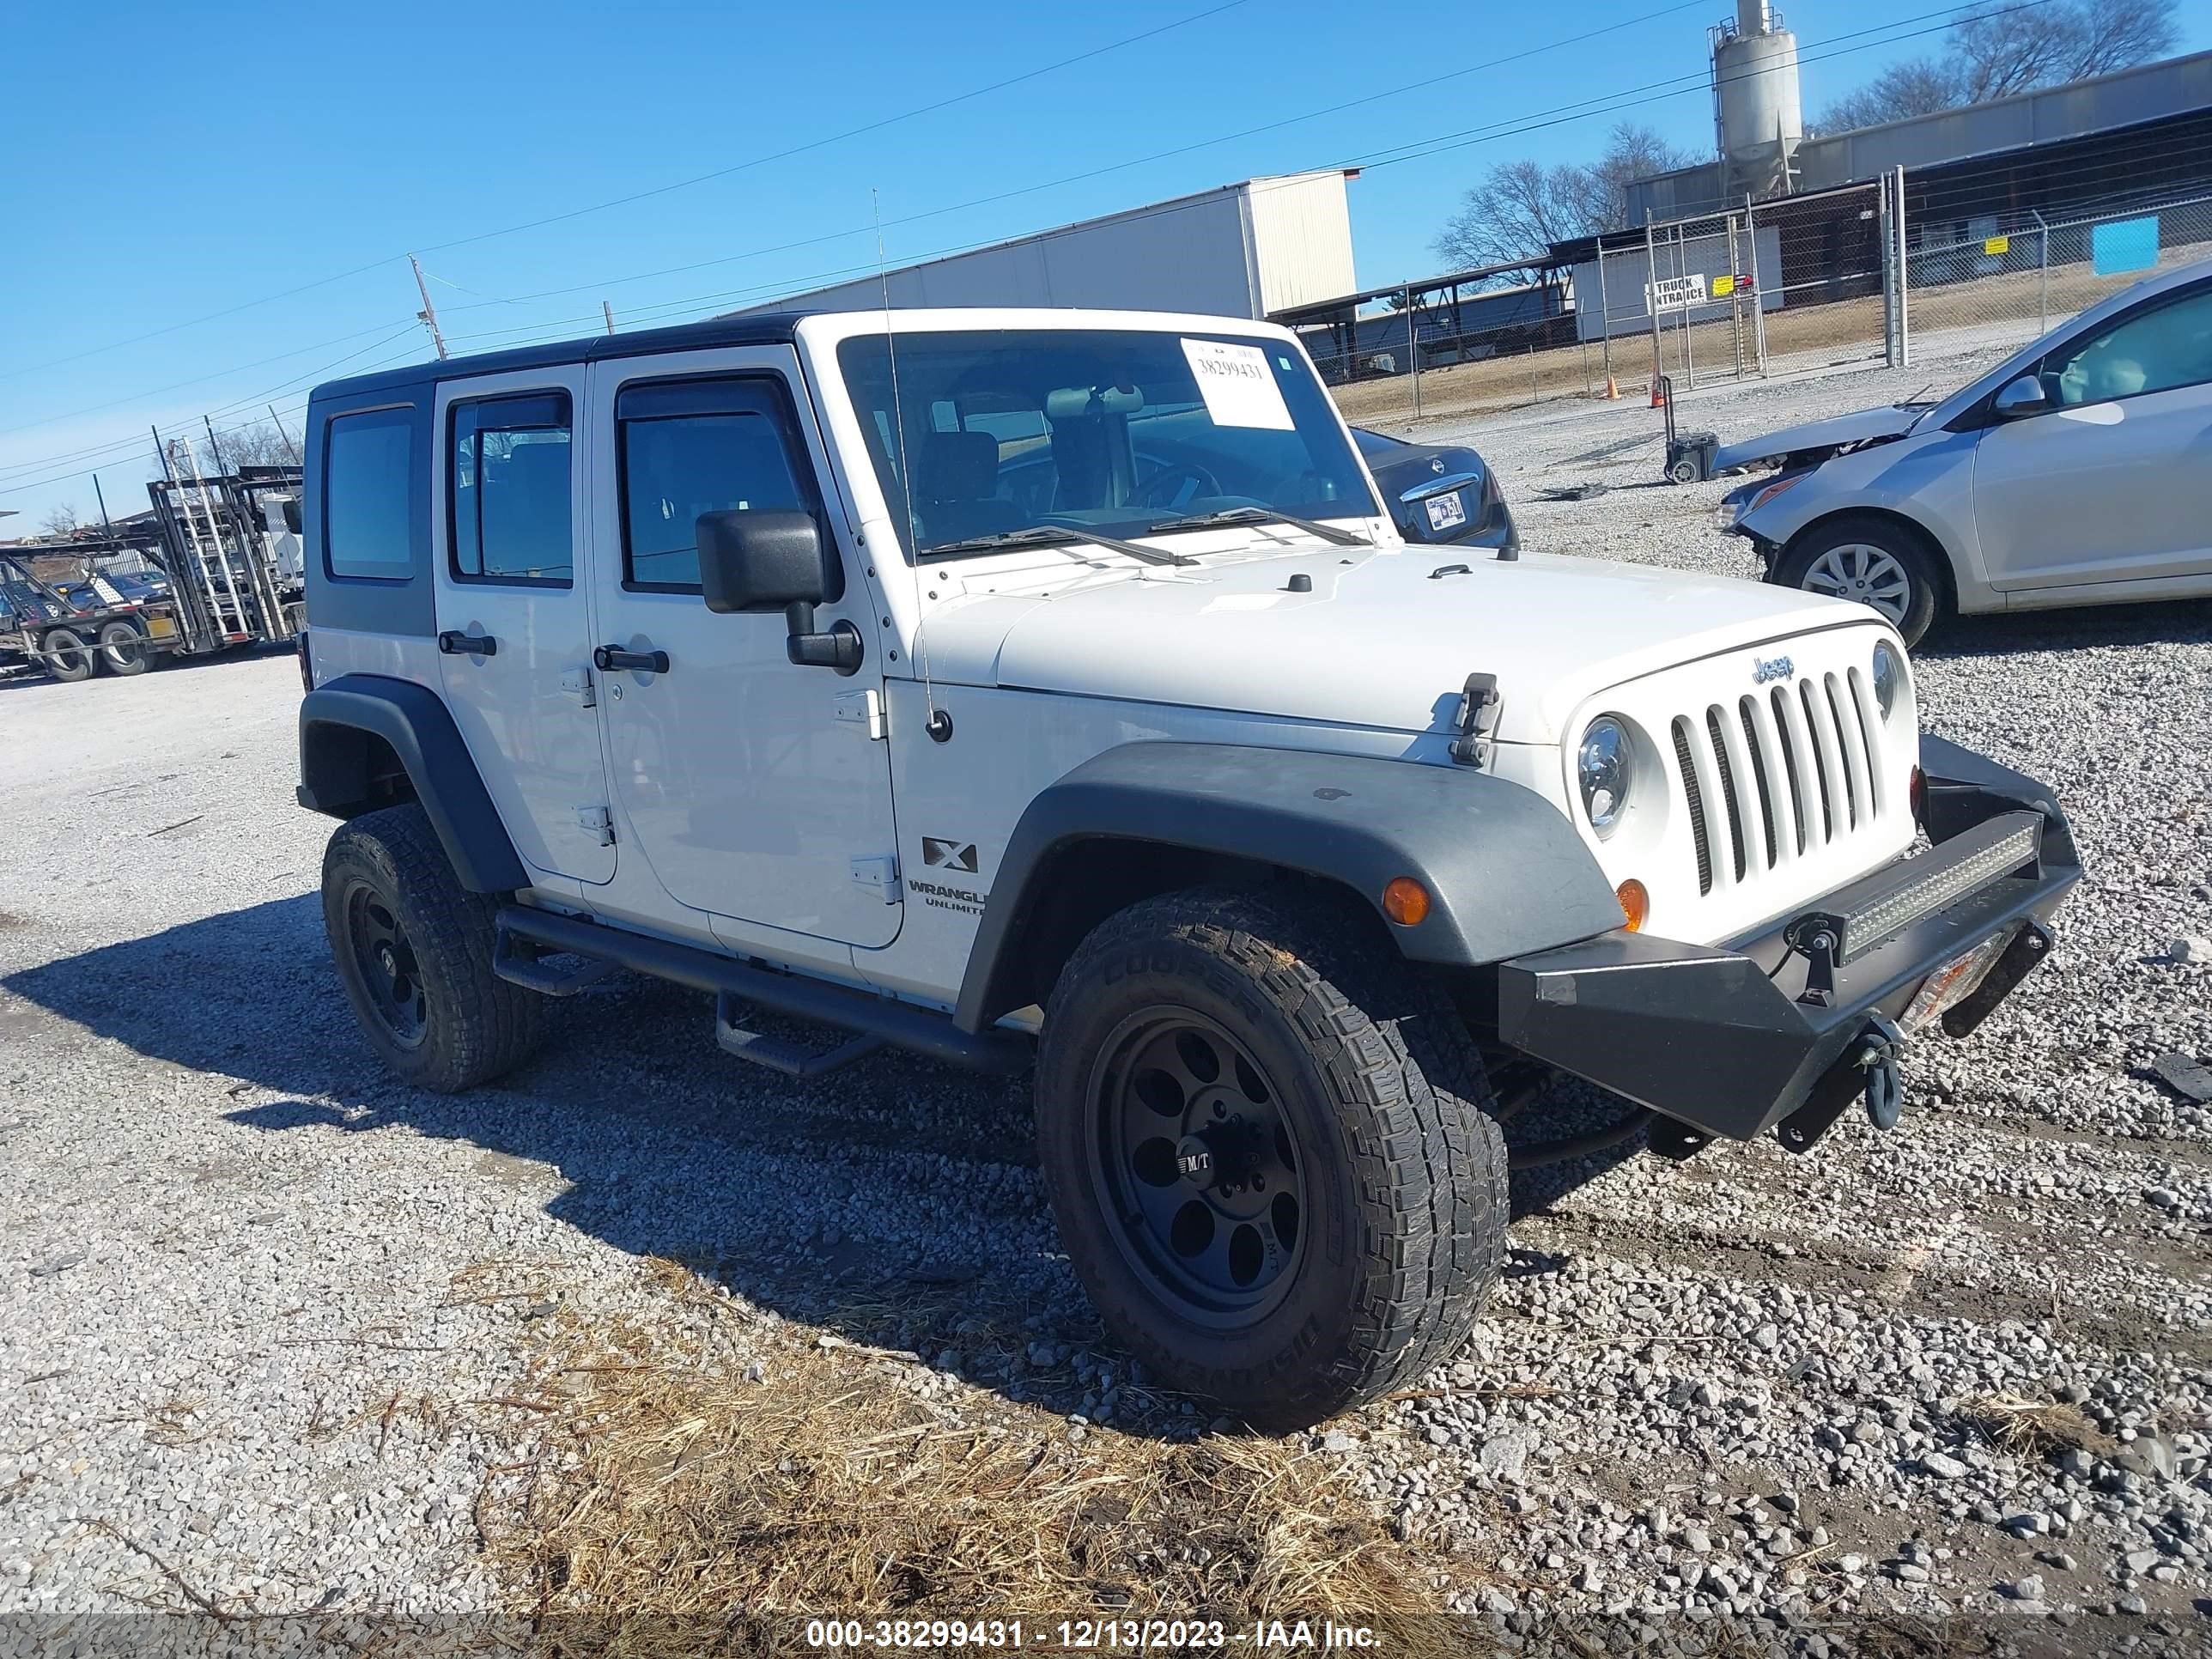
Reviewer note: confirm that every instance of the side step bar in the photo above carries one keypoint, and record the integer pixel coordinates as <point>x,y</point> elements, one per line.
<point>791,1059</point>
<point>900,1024</point>
<point>516,960</point>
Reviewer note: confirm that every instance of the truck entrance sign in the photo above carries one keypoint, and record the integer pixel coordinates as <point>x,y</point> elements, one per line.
<point>1674,293</point>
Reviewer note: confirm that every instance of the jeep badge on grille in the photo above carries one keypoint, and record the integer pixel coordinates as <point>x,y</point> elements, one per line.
<point>1772,668</point>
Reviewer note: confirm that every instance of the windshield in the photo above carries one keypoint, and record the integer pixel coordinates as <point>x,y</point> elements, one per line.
<point>1094,430</point>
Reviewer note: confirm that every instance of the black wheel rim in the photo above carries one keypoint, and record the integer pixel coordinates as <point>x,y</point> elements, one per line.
<point>1200,1172</point>
<point>386,963</point>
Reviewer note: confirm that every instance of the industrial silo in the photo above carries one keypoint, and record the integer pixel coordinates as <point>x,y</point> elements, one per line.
<point>1758,118</point>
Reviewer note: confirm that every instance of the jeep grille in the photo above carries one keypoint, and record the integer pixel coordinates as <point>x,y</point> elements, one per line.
<point>1779,773</point>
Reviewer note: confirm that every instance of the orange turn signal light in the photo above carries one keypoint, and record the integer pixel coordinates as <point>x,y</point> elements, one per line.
<point>1405,902</point>
<point>1635,903</point>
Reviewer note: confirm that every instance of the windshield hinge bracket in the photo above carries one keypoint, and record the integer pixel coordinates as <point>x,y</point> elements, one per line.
<point>1479,706</point>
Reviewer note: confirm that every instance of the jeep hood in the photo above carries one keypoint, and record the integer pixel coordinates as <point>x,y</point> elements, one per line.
<point>1383,640</point>
<point>1893,422</point>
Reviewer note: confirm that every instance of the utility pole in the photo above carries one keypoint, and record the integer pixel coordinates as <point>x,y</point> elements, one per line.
<point>607,307</point>
<point>291,448</point>
<point>428,315</point>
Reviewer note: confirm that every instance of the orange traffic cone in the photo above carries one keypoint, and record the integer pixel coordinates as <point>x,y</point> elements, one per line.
<point>1612,390</point>
<point>1658,397</point>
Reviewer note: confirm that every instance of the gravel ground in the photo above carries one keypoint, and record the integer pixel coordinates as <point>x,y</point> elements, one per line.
<point>258,1305</point>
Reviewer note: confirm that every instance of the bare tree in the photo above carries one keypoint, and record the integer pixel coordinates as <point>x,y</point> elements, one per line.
<point>1521,208</point>
<point>260,444</point>
<point>1996,52</point>
<point>1922,86</point>
<point>61,519</point>
<point>2018,51</point>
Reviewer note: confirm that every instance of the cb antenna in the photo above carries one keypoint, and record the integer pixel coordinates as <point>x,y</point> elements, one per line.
<point>939,724</point>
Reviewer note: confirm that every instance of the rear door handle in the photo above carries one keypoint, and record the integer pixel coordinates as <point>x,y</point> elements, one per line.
<point>454,643</point>
<point>609,658</point>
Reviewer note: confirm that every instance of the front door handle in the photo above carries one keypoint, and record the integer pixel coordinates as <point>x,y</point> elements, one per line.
<point>610,659</point>
<point>454,643</point>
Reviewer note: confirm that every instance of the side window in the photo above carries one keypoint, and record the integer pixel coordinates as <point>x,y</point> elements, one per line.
<point>365,490</point>
<point>688,447</point>
<point>507,511</point>
<point>2155,350</point>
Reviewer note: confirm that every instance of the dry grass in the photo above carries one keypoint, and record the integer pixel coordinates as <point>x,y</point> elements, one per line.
<point>663,1486</point>
<point>2025,1428</point>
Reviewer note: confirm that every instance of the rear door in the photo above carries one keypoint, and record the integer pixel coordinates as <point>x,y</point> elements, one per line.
<point>2112,481</point>
<point>513,634</point>
<point>755,788</point>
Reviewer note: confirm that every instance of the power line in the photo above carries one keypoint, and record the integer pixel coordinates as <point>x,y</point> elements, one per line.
<point>1484,66</point>
<point>236,369</point>
<point>660,190</point>
<point>1632,97</point>
<point>121,446</point>
<point>285,384</point>
<point>1391,155</point>
<point>1558,114</point>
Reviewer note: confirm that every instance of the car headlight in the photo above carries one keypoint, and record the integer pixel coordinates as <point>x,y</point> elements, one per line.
<point>1888,677</point>
<point>1606,766</point>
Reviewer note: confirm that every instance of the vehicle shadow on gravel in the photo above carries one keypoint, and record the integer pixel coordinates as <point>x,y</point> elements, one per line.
<point>22,679</point>
<point>895,1203</point>
<point>2169,621</point>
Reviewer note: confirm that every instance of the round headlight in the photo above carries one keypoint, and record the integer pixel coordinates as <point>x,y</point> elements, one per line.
<point>1888,677</point>
<point>1605,765</point>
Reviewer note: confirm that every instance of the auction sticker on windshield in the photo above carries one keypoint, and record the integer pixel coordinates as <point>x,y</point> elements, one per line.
<point>1238,386</point>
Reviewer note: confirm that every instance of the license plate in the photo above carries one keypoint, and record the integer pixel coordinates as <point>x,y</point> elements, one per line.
<point>160,628</point>
<point>1446,511</point>
<point>1954,981</point>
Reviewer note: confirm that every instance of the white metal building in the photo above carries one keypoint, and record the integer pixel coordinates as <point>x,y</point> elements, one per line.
<point>1242,250</point>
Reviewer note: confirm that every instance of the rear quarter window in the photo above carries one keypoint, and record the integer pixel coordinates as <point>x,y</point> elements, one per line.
<point>365,485</point>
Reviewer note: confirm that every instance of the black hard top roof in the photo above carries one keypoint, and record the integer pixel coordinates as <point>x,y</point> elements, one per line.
<point>764,328</point>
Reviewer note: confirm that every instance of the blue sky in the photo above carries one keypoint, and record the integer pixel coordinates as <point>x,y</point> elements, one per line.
<point>166,164</point>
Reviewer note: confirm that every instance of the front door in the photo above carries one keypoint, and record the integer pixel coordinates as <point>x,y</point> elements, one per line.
<point>2112,481</point>
<point>755,789</point>
<point>508,500</point>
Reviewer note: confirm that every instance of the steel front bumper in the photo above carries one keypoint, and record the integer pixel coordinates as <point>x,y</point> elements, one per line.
<point>1770,1032</point>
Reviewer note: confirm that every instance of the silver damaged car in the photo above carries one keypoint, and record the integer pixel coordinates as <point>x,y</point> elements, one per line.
<point>2078,471</point>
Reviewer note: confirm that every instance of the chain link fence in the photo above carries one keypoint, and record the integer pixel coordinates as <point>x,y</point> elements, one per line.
<point>1987,282</point>
<point>1791,285</point>
<point>1800,283</point>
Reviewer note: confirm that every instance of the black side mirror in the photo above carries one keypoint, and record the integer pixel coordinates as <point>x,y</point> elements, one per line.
<point>765,561</point>
<point>292,513</point>
<point>772,560</point>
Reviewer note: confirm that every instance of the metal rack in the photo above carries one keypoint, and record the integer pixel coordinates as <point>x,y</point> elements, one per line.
<point>219,542</point>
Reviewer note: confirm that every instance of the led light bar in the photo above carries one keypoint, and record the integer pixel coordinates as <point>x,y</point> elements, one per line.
<point>1922,886</point>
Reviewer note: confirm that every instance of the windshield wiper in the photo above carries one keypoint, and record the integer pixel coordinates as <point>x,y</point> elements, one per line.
<point>1229,516</point>
<point>1046,535</point>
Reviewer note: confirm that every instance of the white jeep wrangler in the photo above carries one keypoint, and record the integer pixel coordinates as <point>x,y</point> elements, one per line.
<point>1051,688</point>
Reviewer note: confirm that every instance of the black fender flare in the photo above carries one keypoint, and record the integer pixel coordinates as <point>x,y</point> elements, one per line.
<point>1506,872</point>
<point>414,720</point>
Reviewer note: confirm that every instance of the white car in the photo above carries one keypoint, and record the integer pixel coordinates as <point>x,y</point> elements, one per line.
<point>2078,471</point>
<point>1053,688</point>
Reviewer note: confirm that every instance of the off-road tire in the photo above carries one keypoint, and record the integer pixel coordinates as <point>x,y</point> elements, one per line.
<point>475,1025</point>
<point>123,650</point>
<point>1405,1177</point>
<point>67,656</point>
<point>1928,598</point>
